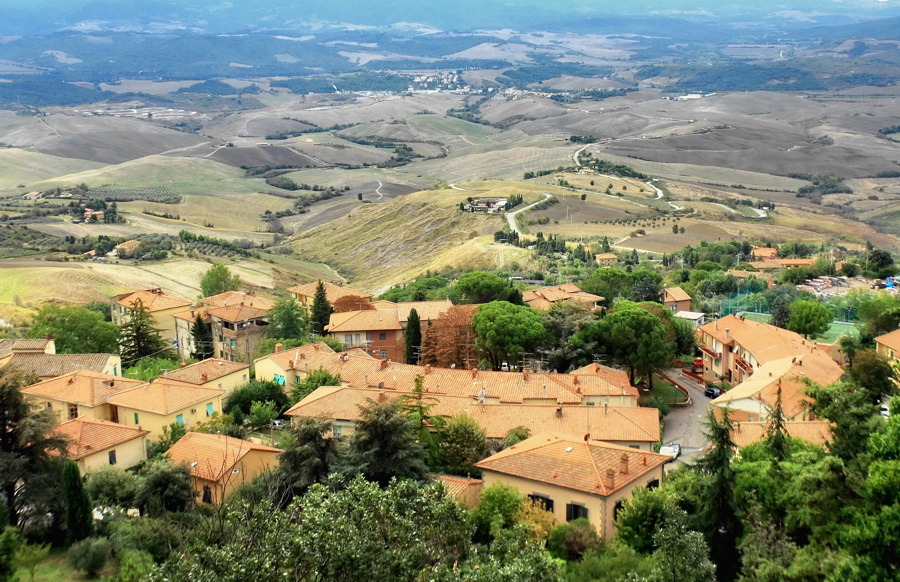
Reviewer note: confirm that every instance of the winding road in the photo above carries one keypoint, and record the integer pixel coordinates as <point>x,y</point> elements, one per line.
<point>511,216</point>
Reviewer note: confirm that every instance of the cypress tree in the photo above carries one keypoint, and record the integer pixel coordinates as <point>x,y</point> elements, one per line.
<point>321,310</point>
<point>413,337</point>
<point>78,504</point>
<point>203,339</point>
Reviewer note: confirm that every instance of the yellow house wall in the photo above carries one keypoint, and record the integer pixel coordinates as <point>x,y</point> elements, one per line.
<point>128,454</point>
<point>600,509</point>
<point>253,464</point>
<point>60,410</point>
<point>266,370</point>
<point>154,422</point>
<point>230,382</point>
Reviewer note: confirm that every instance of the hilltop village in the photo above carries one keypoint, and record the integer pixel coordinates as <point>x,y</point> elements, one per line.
<point>576,423</point>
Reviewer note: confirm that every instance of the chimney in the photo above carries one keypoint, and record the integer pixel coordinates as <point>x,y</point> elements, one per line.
<point>384,364</point>
<point>182,365</point>
<point>559,412</point>
<point>474,372</point>
<point>606,408</point>
<point>290,365</point>
<point>382,396</point>
<point>727,333</point>
<point>609,481</point>
<point>112,383</point>
<point>575,380</point>
<point>204,377</point>
<point>623,464</point>
<point>279,348</point>
<point>302,356</point>
<point>71,380</point>
<point>525,374</point>
<point>427,369</point>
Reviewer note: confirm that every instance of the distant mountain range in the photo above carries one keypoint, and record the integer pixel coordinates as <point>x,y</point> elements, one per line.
<point>231,17</point>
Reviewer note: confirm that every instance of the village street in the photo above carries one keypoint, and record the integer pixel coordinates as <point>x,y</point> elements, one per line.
<point>685,425</point>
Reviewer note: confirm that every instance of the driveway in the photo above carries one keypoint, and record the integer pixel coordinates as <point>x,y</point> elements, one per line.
<point>685,425</point>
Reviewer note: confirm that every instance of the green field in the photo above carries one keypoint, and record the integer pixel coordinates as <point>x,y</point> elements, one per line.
<point>21,167</point>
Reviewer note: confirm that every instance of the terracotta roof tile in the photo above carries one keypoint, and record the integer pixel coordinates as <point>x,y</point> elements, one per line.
<point>153,301</point>
<point>164,396</point>
<point>82,387</point>
<point>766,342</point>
<point>211,369</point>
<point>366,320</point>
<point>620,424</point>
<point>890,340</point>
<point>506,387</point>
<point>541,297</point>
<point>236,313</point>
<point>676,294</point>
<point>88,436</point>
<point>237,298</point>
<point>817,432</point>
<point>213,456</point>
<point>570,462</point>
<point>191,314</point>
<point>458,486</point>
<point>52,365</point>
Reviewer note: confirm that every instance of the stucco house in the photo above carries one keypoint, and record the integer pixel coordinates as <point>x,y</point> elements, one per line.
<point>219,463</point>
<point>574,478</point>
<point>304,294</point>
<point>98,444</point>
<point>81,394</point>
<point>155,405</point>
<point>160,305</point>
<point>212,373</point>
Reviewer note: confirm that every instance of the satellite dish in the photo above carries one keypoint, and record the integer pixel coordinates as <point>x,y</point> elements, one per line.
<point>381,385</point>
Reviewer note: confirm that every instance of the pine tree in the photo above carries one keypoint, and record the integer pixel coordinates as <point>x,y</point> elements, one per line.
<point>78,505</point>
<point>777,440</point>
<point>203,339</point>
<point>413,337</point>
<point>321,310</point>
<point>139,339</point>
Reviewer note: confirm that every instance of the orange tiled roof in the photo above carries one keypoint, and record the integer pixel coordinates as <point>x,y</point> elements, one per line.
<point>153,301</point>
<point>191,314</point>
<point>542,297</point>
<point>508,387</point>
<point>88,436</point>
<point>206,371</point>
<point>676,294</point>
<point>613,423</point>
<point>236,313</point>
<point>457,486</point>
<point>366,320</point>
<point>82,387</point>
<point>52,365</point>
<point>890,340</point>
<point>10,346</point>
<point>817,432</point>
<point>164,396</point>
<point>332,292</point>
<point>788,374</point>
<point>213,456</point>
<point>570,462</point>
<point>427,310</point>
<point>766,342</point>
<point>238,298</point>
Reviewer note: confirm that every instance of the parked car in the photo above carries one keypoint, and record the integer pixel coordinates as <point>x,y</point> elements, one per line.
<point>673,450</point>
<point>713,392</point>
<point>277,424</point>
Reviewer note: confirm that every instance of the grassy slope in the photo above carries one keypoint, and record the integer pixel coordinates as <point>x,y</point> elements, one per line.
<point>22,167</point>
<point>395,241</point>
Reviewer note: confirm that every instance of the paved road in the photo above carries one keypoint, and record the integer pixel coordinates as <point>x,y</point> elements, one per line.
<point>685,425</point>
<point>511,216</point>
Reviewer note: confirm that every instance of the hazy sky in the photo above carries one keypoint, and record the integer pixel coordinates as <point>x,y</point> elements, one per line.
<point>25,16</point>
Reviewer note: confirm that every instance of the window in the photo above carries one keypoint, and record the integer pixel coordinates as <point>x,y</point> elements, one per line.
<point>358,340</point>
<point>545,501</point>
<point>337,430</point>
<point>179,419</point>
<point>278,379</point>
<point>209,409</point>
<point>616,510</point>
<point>751,418</point>
<point>382,337</point>
<point>49,406</point>
<point>73,411</point>
<point>207,494</point>
<point>575,511</point>
<point>348,339</point>
<point>136,420</point>
<point>653,484</point>
<point>383,354</point>
<point>112,457</point>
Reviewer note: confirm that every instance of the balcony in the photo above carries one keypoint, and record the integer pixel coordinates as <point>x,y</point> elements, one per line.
<point>743,365</point>
<point>710,352</point>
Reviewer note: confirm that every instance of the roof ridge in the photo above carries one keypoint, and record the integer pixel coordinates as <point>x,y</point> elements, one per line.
<point>590,453</point>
